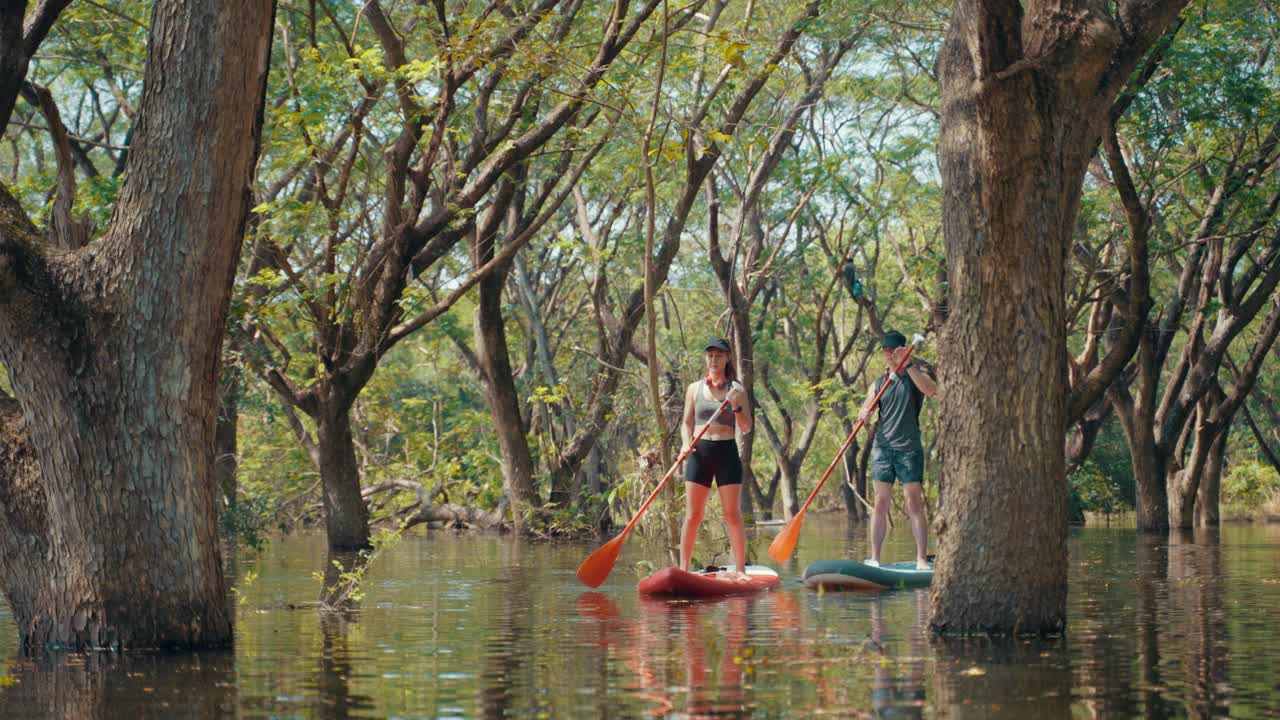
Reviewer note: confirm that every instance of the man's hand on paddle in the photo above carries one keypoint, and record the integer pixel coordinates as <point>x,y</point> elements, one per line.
<point>896,357</point>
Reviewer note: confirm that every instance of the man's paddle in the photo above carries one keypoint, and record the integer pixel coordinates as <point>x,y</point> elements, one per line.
<point>785,543</point>
<point>599,564</point>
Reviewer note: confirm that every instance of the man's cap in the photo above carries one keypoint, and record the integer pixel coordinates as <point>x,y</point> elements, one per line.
<point>893,339</point>
<point>718,343</point>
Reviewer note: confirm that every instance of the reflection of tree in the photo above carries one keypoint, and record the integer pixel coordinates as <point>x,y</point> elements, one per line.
<point>508,650</point>
<point>93,686</point>
<point>1152,579</point>
<point>1196,593</point>
<point>1114,647</point>
<point>339,602</point>
<point>334,698</point>
<point>1002,678</point>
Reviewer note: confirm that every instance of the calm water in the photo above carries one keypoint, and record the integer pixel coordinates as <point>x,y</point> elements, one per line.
<point>482,626</point>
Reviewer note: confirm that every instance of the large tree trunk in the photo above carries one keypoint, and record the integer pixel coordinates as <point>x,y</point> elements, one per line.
<point>1012,168</point>
<point>113,353</point>
<point>345,513</point>
<point>1024,99</point>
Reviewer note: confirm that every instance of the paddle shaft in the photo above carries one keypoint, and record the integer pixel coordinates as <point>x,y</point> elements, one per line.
<point>665,478</point>
<point>861,421</point>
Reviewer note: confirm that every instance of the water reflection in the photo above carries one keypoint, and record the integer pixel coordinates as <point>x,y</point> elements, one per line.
<point>1196,590</point>
<point>899,690</point>
<point>336,666</point>
<point>506,648</point>
<point>484,627</point>
<point>694,656</point>
<point>102,685</point>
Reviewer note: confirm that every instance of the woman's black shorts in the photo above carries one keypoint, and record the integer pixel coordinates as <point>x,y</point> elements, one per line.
<point>714,459</point>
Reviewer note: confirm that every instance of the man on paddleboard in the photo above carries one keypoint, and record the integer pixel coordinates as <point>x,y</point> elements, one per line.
<point>897,453</point>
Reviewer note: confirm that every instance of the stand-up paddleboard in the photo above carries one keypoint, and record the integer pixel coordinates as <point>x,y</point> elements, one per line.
<point>674,582</point>
<point>853,575</point>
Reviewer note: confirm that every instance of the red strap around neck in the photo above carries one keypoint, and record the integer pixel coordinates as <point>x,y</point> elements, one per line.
<point>717,385</point>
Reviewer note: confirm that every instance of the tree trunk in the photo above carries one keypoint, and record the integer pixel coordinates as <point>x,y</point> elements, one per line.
<point>789,473</point>
<point>225,440</point>
<point>113,353</point>
<point>1025,93</point>
<point>1007,207</point>
<point>504,403</point>
<point>1207,498</point>
<point>346,515</point>
<point>1137,419</point>
<point>745,363</point>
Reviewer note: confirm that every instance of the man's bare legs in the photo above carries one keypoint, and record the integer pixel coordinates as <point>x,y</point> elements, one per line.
<point>914,493</point>
<point>919,523</point>
<point>880,518</point>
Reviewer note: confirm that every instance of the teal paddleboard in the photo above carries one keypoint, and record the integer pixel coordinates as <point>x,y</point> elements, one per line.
<point>853,575</point>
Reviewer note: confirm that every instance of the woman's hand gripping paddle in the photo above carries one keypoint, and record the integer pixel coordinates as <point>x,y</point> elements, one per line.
<point>599,564</point>
<point>785,543</point>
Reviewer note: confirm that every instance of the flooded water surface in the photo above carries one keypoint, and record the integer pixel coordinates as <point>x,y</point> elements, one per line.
<point>481,626</point>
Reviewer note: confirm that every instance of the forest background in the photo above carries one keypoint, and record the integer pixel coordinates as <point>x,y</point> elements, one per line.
<point>456,219</point>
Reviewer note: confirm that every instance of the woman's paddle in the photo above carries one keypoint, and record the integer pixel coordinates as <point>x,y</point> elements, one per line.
<point>599,564</point>
<point>785,543</point>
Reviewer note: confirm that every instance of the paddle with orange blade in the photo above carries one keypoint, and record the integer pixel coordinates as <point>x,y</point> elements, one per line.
<point>785,543</point>
<point>599,564</point>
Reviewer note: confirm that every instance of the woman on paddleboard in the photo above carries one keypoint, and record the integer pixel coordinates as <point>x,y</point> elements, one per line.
<point>715,457</point>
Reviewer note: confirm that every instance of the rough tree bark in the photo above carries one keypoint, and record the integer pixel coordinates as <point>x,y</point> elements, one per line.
<point>1026,87</point>
<point>113,352</point>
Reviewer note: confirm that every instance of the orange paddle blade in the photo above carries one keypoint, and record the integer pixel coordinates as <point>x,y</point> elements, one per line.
<point>599,564</point>
<point>785,543</point>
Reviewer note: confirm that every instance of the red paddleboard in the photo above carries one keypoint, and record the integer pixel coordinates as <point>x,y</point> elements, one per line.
<point>674,582</point>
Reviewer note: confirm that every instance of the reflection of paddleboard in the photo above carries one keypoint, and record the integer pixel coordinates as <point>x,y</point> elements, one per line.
<point>853,575</point>
<point>674,582</point>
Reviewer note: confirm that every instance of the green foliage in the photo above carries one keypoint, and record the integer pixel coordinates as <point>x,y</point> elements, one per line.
<point>345,587</point>
<point>1104,482</point>
<point>1249,485</point>
<point>1092,490</point>
<point>248,521</point>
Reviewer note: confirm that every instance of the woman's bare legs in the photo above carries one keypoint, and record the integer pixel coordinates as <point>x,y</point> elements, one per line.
<point>695,497</point>
<point>731,502</point>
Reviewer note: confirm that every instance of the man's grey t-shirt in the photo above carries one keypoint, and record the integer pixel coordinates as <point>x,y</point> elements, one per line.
<point>899,427</point>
